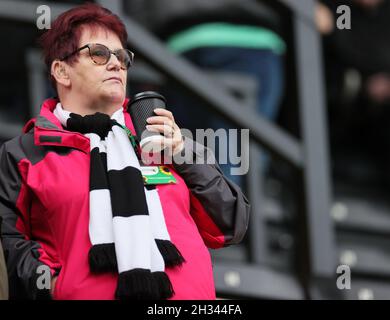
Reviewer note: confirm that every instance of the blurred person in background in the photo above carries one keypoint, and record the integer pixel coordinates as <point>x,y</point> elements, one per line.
<point>357,71</point>
<point>239,37</point>
<point>365,47</point>
<point>72,197</point>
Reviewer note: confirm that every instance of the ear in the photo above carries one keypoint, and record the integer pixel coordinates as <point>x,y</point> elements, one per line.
<point>60,72</point>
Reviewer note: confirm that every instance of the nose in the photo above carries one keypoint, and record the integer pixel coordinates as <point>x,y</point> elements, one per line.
<point>114,63</point>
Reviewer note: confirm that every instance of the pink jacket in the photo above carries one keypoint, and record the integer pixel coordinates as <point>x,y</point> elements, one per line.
<point>44,204</point>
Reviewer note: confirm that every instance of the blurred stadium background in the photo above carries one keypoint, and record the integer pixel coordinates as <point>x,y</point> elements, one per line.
<point>322,198</point>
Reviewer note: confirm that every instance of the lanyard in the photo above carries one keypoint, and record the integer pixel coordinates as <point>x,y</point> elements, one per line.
<point>133,140</point>
<point>152,175</point>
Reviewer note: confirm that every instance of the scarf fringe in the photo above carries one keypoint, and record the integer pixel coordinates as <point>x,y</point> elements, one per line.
<point>102,258</point>
<point>172,256</point>
<point>164,284</point>
<point>138,284</point>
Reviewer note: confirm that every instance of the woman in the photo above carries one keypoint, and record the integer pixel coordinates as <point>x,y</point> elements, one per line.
<point>72,195</point>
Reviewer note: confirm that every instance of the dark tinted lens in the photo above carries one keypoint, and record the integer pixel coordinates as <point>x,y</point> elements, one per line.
<point>99,54</point>
<point>125,57</point>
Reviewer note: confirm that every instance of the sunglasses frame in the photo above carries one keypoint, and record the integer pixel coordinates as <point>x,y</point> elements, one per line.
<point>115,53</point>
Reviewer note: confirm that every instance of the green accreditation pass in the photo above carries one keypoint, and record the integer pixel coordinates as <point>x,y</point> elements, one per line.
<point>151,174</point>
<point>157,175</point>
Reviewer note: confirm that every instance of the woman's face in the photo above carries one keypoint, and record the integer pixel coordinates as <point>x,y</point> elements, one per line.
<point>99,83</point>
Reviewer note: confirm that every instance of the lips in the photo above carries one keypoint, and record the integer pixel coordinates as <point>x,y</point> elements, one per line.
<point>114,78</point>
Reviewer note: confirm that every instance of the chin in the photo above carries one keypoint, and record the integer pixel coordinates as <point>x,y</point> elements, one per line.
<point>117,97</point>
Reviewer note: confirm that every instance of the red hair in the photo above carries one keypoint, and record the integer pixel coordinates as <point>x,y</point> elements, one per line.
<point>64,35</point>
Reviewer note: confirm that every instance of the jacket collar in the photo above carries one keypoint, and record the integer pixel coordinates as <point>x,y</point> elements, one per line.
<point>48,130</point>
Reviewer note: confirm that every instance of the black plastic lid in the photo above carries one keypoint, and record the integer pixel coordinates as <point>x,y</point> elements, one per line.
<point>148,95</point>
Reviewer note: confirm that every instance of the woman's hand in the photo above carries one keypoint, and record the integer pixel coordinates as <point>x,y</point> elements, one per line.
<point>164,123</point>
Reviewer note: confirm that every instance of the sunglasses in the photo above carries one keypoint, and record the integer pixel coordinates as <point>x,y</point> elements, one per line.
<point>100,55</point>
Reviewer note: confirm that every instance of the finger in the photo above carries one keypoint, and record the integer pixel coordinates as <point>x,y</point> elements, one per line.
<point>160,120</point>
<point>164,129</point>
<point>172,144</point>
<point>175,126</point>
<point>164,112</point>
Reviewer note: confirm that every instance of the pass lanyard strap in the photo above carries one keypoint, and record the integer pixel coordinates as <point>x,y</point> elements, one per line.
<point>152,175</point>
<point>133,139</point>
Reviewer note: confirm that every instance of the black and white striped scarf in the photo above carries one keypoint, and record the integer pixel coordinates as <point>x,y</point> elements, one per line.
<point>126,224</point>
